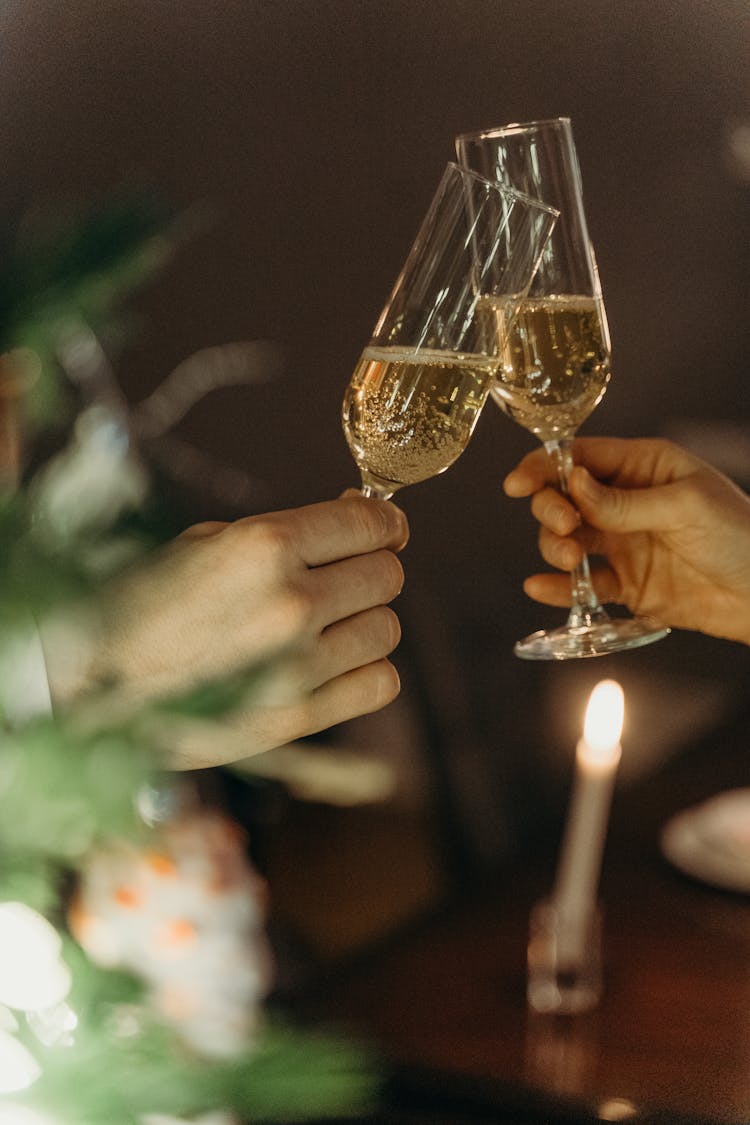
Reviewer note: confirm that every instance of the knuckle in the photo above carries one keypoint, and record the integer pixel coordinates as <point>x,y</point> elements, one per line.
<point>552,511</point>
<point>669,450</point>
<point>557,514</point>
<point>368,517</point>
<point>202,530</point>
<point>692,493</point>
<point>667,446</point>
<point>295,612</point>
<point>267,542</point>
<point>617,501</point>
<point>375,519</point>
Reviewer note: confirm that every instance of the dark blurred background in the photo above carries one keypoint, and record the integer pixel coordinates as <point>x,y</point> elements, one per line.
<point>311,135</point>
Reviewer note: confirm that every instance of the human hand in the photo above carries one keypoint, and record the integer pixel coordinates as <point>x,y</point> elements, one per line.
<point>306,590</point>
<point>674,531</point>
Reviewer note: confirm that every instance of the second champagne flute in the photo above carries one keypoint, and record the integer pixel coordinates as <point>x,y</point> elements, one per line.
<point>415,395</point>
<point>555,363</point>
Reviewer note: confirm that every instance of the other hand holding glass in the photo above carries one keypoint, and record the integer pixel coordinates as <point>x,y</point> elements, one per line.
<point>555,353</point>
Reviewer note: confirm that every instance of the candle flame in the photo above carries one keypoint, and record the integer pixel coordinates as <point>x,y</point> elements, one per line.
<point>602,726</point>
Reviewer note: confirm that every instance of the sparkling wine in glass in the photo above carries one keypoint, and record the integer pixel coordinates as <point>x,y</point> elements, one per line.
<point>414,398</point>
<point>555,352</point>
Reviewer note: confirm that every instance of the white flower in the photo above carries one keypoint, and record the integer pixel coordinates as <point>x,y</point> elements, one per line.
<point>22,1115</point>
<point>18,1067</point>
<point>92,481</point>
<point>32,973</point>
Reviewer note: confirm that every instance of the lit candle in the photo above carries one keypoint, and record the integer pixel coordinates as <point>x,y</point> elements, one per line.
<point>597,757</point>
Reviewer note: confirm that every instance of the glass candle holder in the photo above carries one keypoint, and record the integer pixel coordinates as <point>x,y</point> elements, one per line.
<point>564,959</point>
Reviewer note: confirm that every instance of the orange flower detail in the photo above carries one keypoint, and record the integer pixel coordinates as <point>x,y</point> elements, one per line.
<point>127,897</point>
<point>80,918</point>
<point>177,1003</point>
<point>161,864</point>
<point>177,933</point>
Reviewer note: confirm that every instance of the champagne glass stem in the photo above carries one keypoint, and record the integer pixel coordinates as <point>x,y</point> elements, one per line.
<point>369,490</point>
<point>585,609</point>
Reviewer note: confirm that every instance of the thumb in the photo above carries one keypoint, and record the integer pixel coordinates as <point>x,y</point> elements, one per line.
<point>621,509</point>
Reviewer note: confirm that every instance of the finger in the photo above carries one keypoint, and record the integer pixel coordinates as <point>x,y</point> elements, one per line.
<point>624,509</point>
<point>195,745</point>
<point>352,643</point>
<point>342,589</point>
<point>555,589</point>
<point>357,692</point>
<point>530,474</point>
<point>549,589</point>
<point>559,551</point>
<point>555,512</point>
<point>337,529</point>
<point>565,552</point>
<point>641,462</point>
<point>607,585</point>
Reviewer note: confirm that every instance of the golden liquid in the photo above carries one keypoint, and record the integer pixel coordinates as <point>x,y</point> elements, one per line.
<point>407,421</point>
<point>554,363</point>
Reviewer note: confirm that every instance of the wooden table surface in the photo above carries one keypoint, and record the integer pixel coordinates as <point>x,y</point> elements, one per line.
<point>670,1040</point>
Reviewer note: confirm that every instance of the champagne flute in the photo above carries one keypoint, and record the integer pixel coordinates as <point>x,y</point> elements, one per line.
<point>555,352</point>
<point>414,398</point>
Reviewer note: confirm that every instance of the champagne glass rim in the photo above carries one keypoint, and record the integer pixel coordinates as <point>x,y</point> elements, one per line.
<point>502,189</point>
<point>515,127</point>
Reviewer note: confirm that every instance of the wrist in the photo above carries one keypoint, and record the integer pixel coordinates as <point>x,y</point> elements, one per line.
<point>69,644</point>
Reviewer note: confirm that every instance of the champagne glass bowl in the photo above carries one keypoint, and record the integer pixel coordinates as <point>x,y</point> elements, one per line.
<point>415,395</point>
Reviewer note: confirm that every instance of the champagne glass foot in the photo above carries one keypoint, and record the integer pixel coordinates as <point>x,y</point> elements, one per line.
<point>600,638</point>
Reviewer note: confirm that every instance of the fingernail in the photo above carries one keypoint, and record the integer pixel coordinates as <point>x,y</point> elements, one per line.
<point>404,529</point>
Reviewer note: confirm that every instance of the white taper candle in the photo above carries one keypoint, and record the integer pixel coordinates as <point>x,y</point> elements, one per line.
<point>597,757</point>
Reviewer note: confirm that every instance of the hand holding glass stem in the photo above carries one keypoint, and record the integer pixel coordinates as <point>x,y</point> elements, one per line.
<point>555,353</point>
<point>673,532</point>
